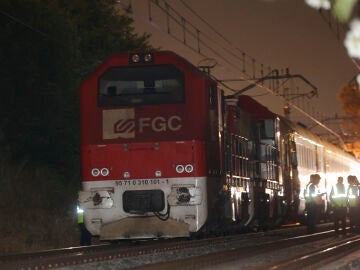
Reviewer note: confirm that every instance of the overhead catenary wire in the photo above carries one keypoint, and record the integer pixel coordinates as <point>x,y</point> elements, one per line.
<point>203,43</point>
<point>194,33</point>
<point>171,14</point>
<point>198,35</point>
<point>340,30</point>
<point>213,29</point>
<point>243,54</point>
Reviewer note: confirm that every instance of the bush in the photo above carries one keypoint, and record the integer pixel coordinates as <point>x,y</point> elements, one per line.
<point>37,209</point>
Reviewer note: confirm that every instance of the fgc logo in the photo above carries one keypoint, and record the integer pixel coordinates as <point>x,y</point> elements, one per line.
<point>121,123</point>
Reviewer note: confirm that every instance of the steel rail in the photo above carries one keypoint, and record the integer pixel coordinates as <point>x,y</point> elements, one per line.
<point>320,257</point>
<point>82,255</point>
<point>237,254</point>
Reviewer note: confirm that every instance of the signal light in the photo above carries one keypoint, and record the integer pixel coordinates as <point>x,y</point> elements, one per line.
<point>180,168</point>
<point>136,58</point>
<point>105,171</point>
<point>148,57</point>
<point>189,168</point>
<point>95,172</point>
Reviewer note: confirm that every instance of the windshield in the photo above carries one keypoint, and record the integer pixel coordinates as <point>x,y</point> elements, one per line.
<point>121,86</point>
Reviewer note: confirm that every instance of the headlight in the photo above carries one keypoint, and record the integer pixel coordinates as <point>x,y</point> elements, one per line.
<point>105,171</point>
<point>148,57</point>
<point>100,198</point>
<point>135,58</point>
<point>180,168</point>
<point>95,172</point>
<point>189,168</point>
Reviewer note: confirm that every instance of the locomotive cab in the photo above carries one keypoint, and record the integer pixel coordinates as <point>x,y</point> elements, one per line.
<point>150,147</point>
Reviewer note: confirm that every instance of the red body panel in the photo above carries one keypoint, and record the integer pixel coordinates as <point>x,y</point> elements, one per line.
<point>141,160</point>
<point>166,125</point>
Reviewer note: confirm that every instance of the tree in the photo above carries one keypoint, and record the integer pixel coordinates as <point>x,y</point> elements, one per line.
<point>343,11</point>
<point>47,48</point>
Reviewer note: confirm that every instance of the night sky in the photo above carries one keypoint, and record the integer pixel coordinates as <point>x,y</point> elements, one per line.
<point>279,34</point>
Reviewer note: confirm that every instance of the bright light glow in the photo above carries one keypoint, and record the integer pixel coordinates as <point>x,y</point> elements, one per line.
<point>135,58</point>
<point>352,39</point>
<point>325,4</point>
<point>158,173</point>
<point>148,57</point>
<point>306,140</point>
<point>358,79</point>
<point>126,174</point>
<point>79,210</point>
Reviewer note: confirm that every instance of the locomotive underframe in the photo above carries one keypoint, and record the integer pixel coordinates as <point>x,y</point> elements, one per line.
<point>180,216</point>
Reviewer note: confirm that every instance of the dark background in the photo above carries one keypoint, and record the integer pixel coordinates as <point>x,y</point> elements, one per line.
<point>47,48</point>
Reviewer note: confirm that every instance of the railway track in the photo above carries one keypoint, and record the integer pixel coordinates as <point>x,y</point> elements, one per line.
<point>322,256</point>
<point>304,252</point>
<point>182,254</point>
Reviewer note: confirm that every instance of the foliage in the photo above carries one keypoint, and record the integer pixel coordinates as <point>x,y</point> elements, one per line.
<point>35,208</point>
<point>350,97</point>
<point>47,48</point>
<point>341,9</point>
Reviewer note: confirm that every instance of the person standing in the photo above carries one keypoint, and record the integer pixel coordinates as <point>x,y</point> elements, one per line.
<point>353,202</point>
<point>357,220</point>
<point>312,197</point>
<point>85,235</point>
<point>339,205</point>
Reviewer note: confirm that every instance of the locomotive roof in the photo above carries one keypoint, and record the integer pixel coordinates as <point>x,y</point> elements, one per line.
<point>258,111</point>
<point>162,57</point>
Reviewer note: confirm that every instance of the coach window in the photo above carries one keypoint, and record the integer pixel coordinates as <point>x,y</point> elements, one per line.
<point>122,86</point>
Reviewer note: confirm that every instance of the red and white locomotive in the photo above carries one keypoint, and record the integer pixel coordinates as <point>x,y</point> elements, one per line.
<point>165,154</point>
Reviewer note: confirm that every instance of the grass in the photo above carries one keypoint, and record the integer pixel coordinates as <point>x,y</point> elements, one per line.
<point>37,208</point>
